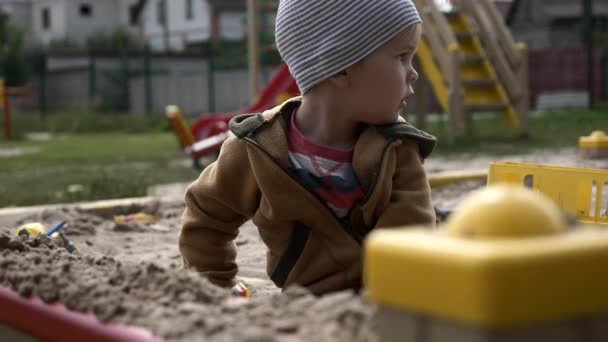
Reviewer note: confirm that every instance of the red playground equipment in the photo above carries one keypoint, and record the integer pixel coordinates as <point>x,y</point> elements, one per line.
<point>209,131</point>
<point>54,322</point>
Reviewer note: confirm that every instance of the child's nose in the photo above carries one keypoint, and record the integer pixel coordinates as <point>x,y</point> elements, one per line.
<point>412,76</point>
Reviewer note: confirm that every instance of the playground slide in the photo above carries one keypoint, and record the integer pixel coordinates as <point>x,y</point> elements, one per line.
<point>281,87</point>
<point>211,130</point>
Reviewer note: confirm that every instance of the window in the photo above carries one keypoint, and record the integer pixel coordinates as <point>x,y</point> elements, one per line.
<point>86,10</point>
<point>133,14</point>
<point>189,9</point>
<point>161,12</point>
<point>46,18</point>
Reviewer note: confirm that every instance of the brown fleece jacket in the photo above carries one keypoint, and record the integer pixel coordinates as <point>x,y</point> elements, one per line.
<point>307,244</point>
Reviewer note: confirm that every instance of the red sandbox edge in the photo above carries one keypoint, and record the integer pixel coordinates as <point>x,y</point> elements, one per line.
<point>54,322</point>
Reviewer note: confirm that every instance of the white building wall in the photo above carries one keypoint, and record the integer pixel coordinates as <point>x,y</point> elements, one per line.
<point>58,23</point>
<point>66,21</point>
<point>124,17</point>
<point>107,15</point>
<point>104,17</point>
<point>180,29</point>
<point>233,26</point>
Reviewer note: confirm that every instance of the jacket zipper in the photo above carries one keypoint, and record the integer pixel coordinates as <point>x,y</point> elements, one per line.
<point>333,214</point>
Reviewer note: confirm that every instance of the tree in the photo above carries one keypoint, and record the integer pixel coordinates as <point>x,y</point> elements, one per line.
<point>12,58</point>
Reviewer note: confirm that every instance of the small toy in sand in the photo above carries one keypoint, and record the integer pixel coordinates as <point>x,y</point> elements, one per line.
<point>54,232</point>
<point>34,229</point>
<point>138,217</point>
<point>594,145</point>
<point>30,229</point>
<point>240,290</point>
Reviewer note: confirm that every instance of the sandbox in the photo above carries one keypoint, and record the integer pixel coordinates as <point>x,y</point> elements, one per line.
<point>130,274</point>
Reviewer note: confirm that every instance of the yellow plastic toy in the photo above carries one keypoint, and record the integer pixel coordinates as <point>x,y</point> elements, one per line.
<point>505,211</point>
<point>494,277</point>
<point>137,217</point>
<point>179,126</point>
<point>31,229</point>
<point>581,193</point>
<point>594,145</point>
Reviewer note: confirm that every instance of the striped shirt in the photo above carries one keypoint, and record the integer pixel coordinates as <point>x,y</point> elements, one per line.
<point>326,171</point>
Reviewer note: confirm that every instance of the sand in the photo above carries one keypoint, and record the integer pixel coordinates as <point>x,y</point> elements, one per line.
<point>175,304</point>
<point>132,273</point>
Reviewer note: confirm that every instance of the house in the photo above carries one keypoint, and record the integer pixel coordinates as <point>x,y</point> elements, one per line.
<point>176,24</point>
<point>164,24</point>
<point>72,21</point>
<point>233,14</point>
<point>544,24</point>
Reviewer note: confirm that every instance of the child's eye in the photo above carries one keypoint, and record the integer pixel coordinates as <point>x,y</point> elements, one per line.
<point>404,57</point>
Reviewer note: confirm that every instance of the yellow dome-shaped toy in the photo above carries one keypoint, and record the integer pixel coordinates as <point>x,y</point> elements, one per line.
<point>505,211</point>
<point>596,137</point>
<point>595,145</point>
<point>31,229</point>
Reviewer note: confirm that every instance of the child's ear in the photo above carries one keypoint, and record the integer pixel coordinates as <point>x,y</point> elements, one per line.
<point>340,80</point>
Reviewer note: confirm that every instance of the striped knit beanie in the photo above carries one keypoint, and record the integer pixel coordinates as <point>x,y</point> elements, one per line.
<point>321,38</point>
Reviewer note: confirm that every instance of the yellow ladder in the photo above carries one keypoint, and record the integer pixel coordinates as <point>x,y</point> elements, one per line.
<point>470,72</point>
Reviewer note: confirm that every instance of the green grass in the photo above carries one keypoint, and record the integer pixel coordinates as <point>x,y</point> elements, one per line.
<point>546,130</point>
<point>86,122</point>
<point>119,155</point>
<point>115,162</point>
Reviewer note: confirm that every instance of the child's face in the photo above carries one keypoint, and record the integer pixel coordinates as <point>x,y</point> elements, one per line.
<point>382,82</point>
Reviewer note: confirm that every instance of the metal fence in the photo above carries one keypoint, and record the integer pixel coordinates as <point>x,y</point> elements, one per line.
<point>145,83</point>
<point>135,85</point>
<point>138,84</point>
<point>564,72</point>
